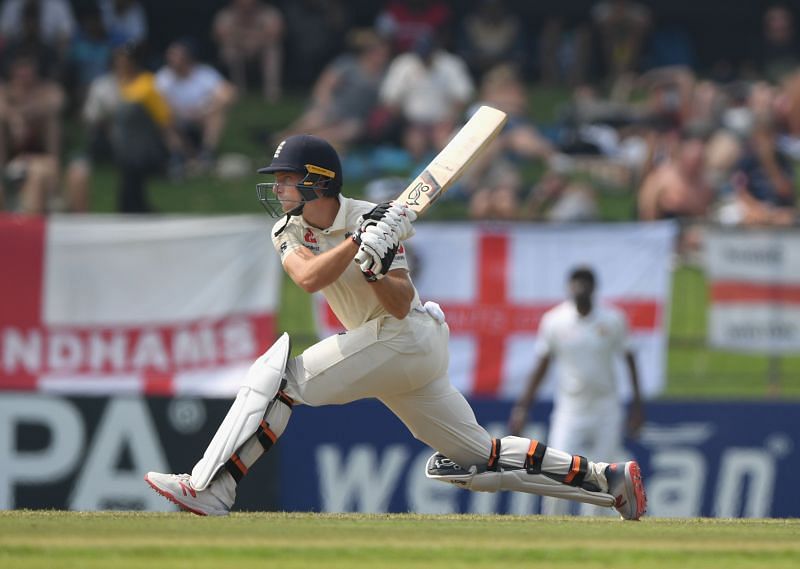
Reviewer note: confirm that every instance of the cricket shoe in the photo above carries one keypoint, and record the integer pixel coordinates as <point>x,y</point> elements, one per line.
<point>625,484</point>
<point>216,500</point>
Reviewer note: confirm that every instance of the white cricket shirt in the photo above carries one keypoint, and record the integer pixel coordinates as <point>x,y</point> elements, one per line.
<point>350,297</point>
<point>584,349</point>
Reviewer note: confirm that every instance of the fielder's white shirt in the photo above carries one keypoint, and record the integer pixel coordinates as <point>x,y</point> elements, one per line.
<point>350,296</point>
<point>584,350</point>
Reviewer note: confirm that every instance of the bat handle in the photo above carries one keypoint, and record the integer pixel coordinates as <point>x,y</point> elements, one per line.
<point>360,257</point>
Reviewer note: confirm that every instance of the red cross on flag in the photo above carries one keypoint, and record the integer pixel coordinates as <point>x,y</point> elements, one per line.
<point>495,282</point>
<point>98,305</point>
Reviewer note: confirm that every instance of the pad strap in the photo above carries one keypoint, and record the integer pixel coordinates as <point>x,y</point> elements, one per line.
<point>577,473</point>
<point>534,457</point>
<point>494,456</point>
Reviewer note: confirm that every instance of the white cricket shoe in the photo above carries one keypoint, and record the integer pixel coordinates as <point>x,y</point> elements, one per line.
<point>625,484</point>
<point>216,500</point>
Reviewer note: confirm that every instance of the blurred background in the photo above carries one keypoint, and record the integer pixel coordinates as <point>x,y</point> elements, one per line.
<point>657,142</point>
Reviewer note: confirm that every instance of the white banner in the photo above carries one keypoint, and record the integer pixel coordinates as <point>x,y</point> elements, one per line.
<point>496,281</point>
<point>116,304</point>
<point>754,287</point>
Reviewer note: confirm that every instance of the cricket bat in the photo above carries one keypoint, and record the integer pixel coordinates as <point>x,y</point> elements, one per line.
<point>453,160</point>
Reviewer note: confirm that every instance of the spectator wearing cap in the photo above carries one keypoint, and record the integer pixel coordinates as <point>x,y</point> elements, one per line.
<point>199,98</point>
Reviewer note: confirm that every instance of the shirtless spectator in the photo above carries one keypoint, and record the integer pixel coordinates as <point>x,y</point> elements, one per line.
<point>677,188</point>
<point>346,93</point>
<point>30,136</point>
<point>247,33</point>
<point>199,99</point>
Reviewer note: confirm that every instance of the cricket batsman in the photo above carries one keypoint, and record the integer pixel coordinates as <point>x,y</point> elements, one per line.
<point>395,349</point>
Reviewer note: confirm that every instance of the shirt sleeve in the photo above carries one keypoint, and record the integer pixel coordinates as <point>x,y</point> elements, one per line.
<point>287,240</point>
<point>622,342</point>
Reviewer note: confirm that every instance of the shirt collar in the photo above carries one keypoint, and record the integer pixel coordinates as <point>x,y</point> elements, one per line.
<point>339,222</point>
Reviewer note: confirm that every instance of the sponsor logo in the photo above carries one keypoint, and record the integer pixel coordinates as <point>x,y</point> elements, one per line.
<point>309,237</point>
<point>187,490</point>
<point>416,193</point>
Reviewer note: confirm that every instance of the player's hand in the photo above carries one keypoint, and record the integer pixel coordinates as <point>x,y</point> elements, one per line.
<point>402,217</point>
<point>376,253</point>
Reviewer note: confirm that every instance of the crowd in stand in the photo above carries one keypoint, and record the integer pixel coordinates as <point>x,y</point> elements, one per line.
<point>639,117</point>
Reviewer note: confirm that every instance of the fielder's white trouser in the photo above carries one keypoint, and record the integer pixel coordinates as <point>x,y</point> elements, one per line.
<point>594,432</point>
<point>403,363</point>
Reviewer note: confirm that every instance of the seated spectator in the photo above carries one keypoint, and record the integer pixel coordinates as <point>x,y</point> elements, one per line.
<point>90,52</point>
<point>491,35</point>
<point>250,33</point>
<point>27,37</point>
<point>503,89</point>
<point>30,136</point>
<point>564,50</point>
<point>678,187</point>
<point>315,34</point>
<point>124,20</point>
<point>558,199</point>
<point>497,195</point>
<point>199,99</point>
<point>56,20</point>
<point>622,26</point>
<point>768,174</point>
<point>346,93</point>
<point>776,52</point>
<point>129,119</point>
<point>408,21</point>
<point>427,89</point>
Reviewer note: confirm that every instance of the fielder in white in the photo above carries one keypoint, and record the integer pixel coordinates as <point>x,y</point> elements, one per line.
<point>395,349</point>
<point>588,415</point>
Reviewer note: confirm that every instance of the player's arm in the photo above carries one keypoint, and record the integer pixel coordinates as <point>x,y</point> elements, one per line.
<point>395,292</point>
<point>636,412</point>
<point>315,272</point>
<point>519,413</point>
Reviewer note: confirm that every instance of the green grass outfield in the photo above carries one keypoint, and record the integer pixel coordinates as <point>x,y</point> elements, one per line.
<point>164,541</point>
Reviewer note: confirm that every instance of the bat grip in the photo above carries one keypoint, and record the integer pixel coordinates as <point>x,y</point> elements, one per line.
<point>360,257</point>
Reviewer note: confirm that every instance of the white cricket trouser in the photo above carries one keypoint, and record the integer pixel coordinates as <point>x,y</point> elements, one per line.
<point>403,363</point>
<point>595,434</point>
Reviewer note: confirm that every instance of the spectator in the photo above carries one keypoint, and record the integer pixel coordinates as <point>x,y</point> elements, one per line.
<point>30,135</point>
<point>564,51</point>
<point>28,39</point>
<point>558,199</point>
<point>199,99</point>
<point>408,21</point>
<point>587,412</point>
<point>622,26</point>
<point>778,52</point>
<point>346,93</point>
<point>127,115</point>
<point>497,193</point>
<point>250,33</point>
<point>678,187</point>
<point>491,35</point>
<point>90,52</point>
<point>56,22</point>
<point>125,21</point>
<point>762,191</point>
<point>427,89</point>
<point>315,32</point>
